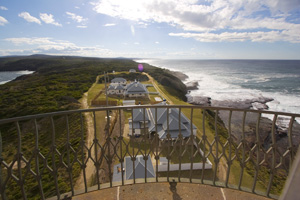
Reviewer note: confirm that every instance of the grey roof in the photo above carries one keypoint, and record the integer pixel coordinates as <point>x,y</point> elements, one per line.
<point>116,87</point>
<point>138,114</point>
<point>119,87</point>
<point>118,80</point>
<point>136,87</point>
<point>162,127</point>
<point>140,165</point>
<point>111,87</point>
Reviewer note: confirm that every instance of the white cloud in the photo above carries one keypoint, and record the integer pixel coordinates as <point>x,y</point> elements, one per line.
<point>156,42</point>
<point>3,21</point>
<point>259,36</point>
<point>53,47</point>
<point>207,16</point>
<point>3,8</point>
<point>81,26</point>
<point>48,19</point>
<point>109,24</point>
<point>29,18</point>
<point>30,41</point>
<point>77,18</point>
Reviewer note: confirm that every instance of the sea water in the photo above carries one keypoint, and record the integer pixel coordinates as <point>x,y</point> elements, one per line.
<point>239,80</point>
<point>9,76</point>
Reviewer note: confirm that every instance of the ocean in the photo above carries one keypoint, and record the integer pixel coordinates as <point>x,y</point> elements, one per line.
<point>239,80</point>
<point>9,76</point>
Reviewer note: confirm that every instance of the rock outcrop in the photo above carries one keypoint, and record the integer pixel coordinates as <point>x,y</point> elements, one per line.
<point>192,85</point>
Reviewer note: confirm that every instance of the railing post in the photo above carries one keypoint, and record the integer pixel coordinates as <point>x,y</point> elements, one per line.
<point>204,145</point>
<point>2,194</point>
<point>180,143</point>
<point>121,151</point>
<point>258,146</point>
<point>37,168</point>
<point>82,153</point>
<point>192,145</point>
<point>53,150</point>
<point>273,146</point>
<point>68,146</point>
<point>97,164</point>
<point>19,157</point>
<point>217,148</point>
<point>242,164</point>
<point>169,139</point>
<point>229,161</point>
<point>290,132</point>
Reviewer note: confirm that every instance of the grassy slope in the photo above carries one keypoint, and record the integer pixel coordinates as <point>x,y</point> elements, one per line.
<point>210,133</point>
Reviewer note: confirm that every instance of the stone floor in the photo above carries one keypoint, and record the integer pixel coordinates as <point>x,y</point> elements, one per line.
<point>164,191</point>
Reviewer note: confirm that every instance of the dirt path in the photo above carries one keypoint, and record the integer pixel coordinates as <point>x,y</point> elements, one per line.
<point>90,169</point>
<point>158,89</point>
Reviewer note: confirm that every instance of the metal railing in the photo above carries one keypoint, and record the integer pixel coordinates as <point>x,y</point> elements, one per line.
<point>71,152</point>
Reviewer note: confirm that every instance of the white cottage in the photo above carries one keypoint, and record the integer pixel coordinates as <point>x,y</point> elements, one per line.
<point>117,89</point>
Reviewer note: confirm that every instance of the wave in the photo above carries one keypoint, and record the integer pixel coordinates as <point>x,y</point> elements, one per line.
<point>241,80</point>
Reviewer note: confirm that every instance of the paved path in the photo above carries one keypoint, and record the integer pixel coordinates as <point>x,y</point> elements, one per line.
<point>158,89</point>
<point>163,191</point>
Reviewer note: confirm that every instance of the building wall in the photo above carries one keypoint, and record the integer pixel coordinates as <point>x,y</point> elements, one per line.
<point>136,95</point>
<point>117,83</point>
<point>135,132</point>
<point>115,92</point>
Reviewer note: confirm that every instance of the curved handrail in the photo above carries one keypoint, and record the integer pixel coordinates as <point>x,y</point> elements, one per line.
<point>244,150</point>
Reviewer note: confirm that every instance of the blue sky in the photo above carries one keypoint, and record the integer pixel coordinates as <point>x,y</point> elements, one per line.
<point>173,29</point>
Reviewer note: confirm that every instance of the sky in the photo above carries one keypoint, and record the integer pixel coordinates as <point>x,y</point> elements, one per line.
<point>167,29</point>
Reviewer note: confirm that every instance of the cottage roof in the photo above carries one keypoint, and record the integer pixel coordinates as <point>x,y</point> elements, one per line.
<point>139,166</point>
<point>116,87</point>
<point>138,115</point>
<point>119,87</point>
<point>118,80</point>
<point>136,87</point>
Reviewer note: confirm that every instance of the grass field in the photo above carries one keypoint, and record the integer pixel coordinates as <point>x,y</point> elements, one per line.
<point>197,116</point>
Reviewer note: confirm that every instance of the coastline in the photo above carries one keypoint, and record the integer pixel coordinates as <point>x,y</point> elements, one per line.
<point>8,76</point>
<point>258,103</point>
<point>250,125</point>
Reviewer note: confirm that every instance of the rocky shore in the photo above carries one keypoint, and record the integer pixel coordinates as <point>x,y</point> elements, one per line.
<point>265,126</point>
<point>178,74</point>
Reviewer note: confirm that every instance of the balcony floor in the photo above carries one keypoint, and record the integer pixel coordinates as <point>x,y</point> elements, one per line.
<point>162,191</point>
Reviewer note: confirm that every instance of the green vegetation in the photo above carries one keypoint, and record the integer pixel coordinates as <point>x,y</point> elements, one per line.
<point>126,75</point>
<point>57,84</point>
<point>168,81</point>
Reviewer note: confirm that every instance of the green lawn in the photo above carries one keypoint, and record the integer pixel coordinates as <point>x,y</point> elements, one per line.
<point>151,89</point>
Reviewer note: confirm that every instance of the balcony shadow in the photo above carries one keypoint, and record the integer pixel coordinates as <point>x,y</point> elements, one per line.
<point>174,191</point>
